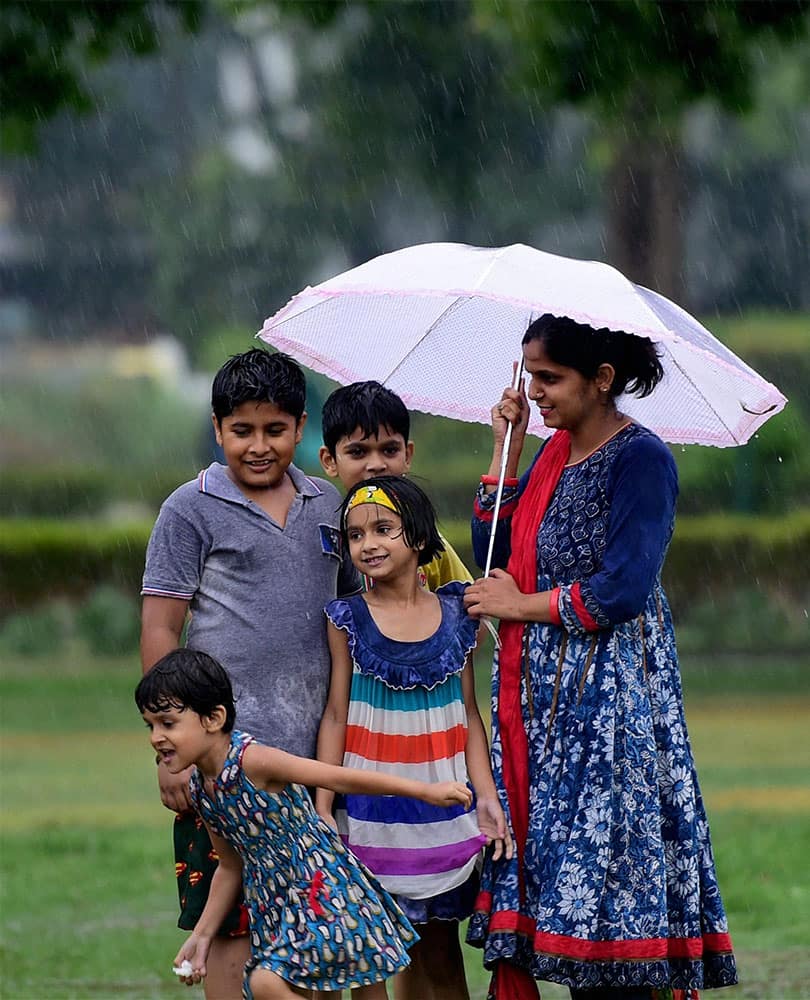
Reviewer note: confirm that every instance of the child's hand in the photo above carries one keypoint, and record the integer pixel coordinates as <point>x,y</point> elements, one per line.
<point>194,951</point>
<point>174,791</point>
<point>328,818</point>
<point>448,793</point>
<point>492,823</point>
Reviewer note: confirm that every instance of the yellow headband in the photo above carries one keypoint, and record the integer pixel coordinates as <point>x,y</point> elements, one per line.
<point>371,494</point>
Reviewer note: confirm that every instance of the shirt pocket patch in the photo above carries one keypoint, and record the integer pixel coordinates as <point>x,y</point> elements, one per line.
<point>331,541</point>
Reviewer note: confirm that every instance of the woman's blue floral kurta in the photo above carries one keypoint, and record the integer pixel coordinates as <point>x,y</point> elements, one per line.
<point>619,881</point>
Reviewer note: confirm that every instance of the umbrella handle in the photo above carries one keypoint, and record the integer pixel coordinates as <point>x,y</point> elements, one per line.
<point>507,440</point>
<point>501,476</point>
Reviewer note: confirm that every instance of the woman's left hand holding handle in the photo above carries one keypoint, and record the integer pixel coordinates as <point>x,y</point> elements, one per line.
<point>496,596</point>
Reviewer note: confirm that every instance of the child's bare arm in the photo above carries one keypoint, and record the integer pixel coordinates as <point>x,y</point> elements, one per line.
<point>272,769</point>
<point>162,620</point>
<point>332,732</point>
<point>491,819</point>
<point>225,886</point>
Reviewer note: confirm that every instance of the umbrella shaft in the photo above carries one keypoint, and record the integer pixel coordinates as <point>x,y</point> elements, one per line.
<point>507,441</point>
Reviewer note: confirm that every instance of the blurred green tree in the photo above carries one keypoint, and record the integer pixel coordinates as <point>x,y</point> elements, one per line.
<point>46,45</point>
<point>639,66</point>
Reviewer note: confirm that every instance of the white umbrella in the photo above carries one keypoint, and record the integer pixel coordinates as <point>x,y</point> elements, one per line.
<point>440,324</point>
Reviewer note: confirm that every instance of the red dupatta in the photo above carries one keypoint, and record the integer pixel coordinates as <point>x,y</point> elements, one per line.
<point>510,982</point>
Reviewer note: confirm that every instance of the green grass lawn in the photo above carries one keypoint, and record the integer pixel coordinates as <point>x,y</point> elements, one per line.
<point>88,902</point>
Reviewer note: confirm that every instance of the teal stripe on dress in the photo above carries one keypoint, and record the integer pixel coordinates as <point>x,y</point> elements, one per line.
<point>376,693</point>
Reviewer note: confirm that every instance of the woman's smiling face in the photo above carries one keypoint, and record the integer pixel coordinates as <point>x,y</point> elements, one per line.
<point>564,397</point>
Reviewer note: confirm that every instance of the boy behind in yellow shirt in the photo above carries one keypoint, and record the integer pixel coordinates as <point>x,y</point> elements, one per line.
<point>365,434</point>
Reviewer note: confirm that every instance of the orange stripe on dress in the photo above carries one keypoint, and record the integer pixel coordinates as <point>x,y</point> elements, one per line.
<point>394,749</point>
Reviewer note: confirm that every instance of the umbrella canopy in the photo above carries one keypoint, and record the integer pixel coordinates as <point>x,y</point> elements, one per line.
<point>441,323</point>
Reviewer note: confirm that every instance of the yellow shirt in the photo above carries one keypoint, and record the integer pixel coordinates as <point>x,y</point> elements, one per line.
<point>443,568</point>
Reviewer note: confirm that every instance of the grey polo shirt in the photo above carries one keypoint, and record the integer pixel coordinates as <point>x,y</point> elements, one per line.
<point>257,593</point>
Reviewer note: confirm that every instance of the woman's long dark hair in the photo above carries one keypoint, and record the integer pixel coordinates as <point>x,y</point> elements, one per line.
<point>581,347</point>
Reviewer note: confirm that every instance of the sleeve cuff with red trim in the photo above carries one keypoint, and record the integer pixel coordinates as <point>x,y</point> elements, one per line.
<point>554,606</point>
<point>574,615</point>
<point>485,502</point>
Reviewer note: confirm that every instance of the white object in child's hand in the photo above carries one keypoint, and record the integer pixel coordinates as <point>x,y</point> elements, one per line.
<point>184,969</point>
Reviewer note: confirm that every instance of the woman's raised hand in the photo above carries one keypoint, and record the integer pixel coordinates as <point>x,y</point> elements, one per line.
<point>512,408</point>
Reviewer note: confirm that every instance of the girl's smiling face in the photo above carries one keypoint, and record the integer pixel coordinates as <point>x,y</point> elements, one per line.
<point>377,543</point>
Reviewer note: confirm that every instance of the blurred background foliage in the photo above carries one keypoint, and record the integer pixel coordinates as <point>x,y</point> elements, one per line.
<point>173,172</point>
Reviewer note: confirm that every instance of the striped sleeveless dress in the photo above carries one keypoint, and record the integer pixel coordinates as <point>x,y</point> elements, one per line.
<point>407,717</point>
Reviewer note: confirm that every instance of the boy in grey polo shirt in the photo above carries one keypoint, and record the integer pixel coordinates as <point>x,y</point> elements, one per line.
<point>252,550</point>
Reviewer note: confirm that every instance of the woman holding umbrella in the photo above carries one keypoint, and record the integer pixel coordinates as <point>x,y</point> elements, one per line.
<point>612,890</point>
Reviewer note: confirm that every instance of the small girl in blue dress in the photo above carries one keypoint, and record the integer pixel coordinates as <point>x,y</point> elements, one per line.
<point>318,918</point>
<point>402,702</point>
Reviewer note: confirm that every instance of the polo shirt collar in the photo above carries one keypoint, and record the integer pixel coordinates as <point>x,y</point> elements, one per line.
<point>303,484</point>
<point>215,482</point>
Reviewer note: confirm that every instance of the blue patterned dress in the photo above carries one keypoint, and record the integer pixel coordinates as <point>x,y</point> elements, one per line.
<point>318,918</point>
<point>619,887</point>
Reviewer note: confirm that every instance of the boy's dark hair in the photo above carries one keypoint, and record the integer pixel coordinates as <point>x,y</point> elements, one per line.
<point>584,348</point>
<point>367,405</point>
<point>258,376</point>
<point>187,678</point>
<point>414,507</point>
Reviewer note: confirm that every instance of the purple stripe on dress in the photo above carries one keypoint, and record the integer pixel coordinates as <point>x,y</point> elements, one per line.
<point>417,860</point>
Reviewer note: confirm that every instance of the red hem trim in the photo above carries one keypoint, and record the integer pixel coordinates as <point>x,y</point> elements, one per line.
<point>576,949</point>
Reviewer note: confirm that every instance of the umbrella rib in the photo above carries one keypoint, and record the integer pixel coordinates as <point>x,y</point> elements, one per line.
<point>427,332</point>
<point>702,395</point>
<point>289,319</point>
<point>495,258</point>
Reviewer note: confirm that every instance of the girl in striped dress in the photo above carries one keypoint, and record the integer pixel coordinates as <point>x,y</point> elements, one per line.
<point>402,702</point>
